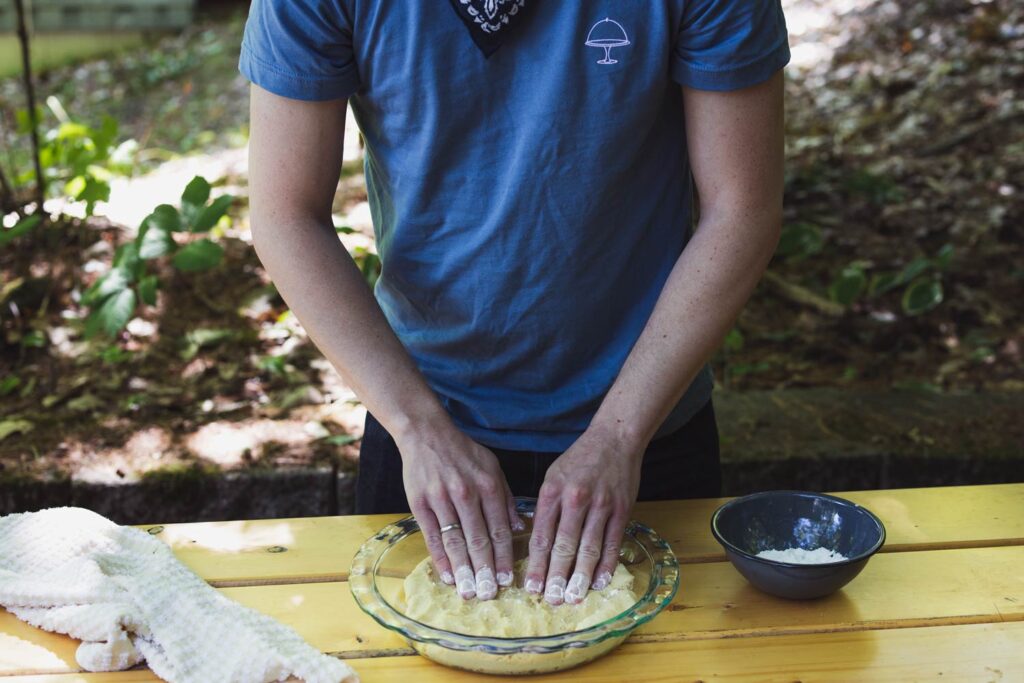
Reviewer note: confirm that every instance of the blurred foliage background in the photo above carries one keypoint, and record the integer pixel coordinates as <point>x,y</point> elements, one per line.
<point>138,331</point>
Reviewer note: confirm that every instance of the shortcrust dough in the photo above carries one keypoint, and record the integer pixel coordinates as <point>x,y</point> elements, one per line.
<point>514,613</point>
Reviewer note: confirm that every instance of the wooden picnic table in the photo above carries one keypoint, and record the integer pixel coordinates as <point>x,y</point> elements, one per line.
<point>943,601</point>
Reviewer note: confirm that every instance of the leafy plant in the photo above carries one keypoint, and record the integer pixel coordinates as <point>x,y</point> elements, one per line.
<point>79,161</point>
<point>369,264</point>
<point>878,189</point>
<point>22,227</point>
<point>799,241</point>
<point>921,280</point>
<point>114,297</point>
<point>849,285</point>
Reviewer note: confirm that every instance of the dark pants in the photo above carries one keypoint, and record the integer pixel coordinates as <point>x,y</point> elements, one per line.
<point>683,464</point>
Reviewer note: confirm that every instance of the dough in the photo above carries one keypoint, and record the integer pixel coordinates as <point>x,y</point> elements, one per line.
<point>514,613</point>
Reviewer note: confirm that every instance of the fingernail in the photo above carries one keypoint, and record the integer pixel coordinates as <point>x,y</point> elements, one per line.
<point>555,591</point>
<point>485,586</point>
<point>602,581</point>
<point>534,586</point>
<point>464,582</point>
<point>504,578</point>
<point>577,588</point>
<point>446,577</point>
<point>518,524</point>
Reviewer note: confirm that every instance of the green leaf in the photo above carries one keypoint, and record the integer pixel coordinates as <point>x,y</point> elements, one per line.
<point>882,283</point>
<point>9,384</point>
<point>800,240</point>
<point>943,257</point>
<point>24,122</point>
<point>370,268</point>
<point>113,315</point>
<point>848,286</point>
<point>205,336</point>
<point>114,354</point>
<point>72,130</point>
<point>116,280</point>
<point>194,198</point>
<point>913,269</point>
<point>209,216</point>
<point>104,138</point>
<point>34,340</point>
<point>199,255</point>
<point>921,296</point>
<point>147,289</point>
<point>94,191</point>
<point>197,192</point>
<point>8,427</point>
<point>10,287</point>
<point>127,257</point>
<point>76,185</point>
<point>340,439</point>
<point>166,217</point>
<point>275,365</point>
<point>155,242</point>
<point>734,341</point>
<point>20,228</point>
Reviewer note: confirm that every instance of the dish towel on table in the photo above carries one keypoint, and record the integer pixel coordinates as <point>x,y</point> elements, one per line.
<point>126,596</point>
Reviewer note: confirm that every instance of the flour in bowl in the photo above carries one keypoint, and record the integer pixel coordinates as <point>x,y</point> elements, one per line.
<point>801,556</point>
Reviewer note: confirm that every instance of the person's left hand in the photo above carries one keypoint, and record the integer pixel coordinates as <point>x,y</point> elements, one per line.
<point>581,514</point>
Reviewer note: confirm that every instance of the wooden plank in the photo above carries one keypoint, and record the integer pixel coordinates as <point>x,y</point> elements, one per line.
<point>250,553</point>
<point>982,653</point>
<point>899,590</point>
<point>321,548</point>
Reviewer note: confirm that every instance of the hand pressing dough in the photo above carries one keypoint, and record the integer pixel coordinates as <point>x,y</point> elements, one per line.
<point>514,613</point>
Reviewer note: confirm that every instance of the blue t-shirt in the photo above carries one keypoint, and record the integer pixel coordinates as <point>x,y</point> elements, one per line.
<point>527,207</point>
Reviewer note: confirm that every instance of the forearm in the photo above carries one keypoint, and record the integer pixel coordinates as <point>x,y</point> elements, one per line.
<point>707,288</point>
<point>735,144</point>
<point>325,290</point>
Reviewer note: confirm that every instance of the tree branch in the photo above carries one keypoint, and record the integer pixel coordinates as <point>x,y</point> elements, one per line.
<point>7,202</point>
<point>803,296</point>
<point>30,94</point>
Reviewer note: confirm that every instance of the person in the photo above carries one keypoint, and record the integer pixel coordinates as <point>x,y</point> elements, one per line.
<point>546,305</point>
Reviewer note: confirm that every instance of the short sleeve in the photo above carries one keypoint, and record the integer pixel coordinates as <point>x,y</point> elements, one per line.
<point>300,49</point>
<point>729,44</point>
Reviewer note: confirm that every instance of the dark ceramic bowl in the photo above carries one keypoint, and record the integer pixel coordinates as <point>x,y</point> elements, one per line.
<point>778,520</point>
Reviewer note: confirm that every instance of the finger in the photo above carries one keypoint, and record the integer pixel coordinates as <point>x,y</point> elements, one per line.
<point>478,541</point>
<point>427,521</point>
<point>455,547</point>
<point>588,555</point>
<point>563,552</point>
<point>545,520</point>
<point>516,522</point>
<point>498,526</point>
<point>610,553</point>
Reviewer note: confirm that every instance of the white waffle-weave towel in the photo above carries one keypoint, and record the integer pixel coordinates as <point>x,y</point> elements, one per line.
<point>126,596</point>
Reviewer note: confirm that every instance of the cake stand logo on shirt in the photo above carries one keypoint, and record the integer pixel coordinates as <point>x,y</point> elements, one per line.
<point>607,34</point>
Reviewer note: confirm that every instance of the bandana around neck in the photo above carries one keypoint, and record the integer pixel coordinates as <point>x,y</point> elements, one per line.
<point>489,21</point>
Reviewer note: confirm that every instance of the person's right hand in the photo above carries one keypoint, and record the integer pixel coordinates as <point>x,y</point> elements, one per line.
<point>451,479</point>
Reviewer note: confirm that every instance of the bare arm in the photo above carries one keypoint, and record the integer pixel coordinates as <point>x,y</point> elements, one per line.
<point>735,141</point>
<point>294,163</point>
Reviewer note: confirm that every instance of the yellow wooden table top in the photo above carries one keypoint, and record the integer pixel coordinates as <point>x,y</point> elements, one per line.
<point>944,601</point>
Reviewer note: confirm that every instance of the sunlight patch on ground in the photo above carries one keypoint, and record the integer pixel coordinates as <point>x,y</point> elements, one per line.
<point>142,452</point>
<point>226,443</point>
<point>812,26</point>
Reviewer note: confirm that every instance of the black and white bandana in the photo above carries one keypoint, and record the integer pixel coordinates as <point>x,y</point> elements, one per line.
<point>489,21</point>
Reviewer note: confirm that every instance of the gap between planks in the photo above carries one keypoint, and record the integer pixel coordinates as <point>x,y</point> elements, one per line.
<point>342,577</point>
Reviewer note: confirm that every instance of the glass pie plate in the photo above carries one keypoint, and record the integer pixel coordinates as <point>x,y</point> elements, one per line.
<point>382,563</point>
